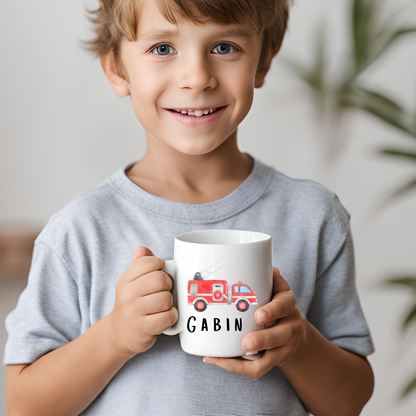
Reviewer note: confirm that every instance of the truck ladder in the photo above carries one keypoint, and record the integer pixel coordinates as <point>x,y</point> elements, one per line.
<point>213,268</point>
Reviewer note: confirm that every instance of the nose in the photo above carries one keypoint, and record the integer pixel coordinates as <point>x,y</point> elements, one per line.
<point>197,74</point>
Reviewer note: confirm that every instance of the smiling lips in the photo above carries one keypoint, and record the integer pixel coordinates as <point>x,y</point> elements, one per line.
<point>198,112</point>
<point>199,118</point>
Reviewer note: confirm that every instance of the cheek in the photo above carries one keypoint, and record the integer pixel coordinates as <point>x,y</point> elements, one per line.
<point>241,86</point>
<point>147,86</point>
<point>246,97</point>
<point>243,96</point>
<point>145,93</point>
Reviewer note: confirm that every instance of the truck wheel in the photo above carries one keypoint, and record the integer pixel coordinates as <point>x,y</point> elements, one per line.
<point>242,305</point>
<point>200,305</point>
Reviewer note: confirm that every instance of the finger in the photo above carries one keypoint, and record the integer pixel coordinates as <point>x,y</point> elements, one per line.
<point>281,305</point>
<point>156,323</point>
<point>141,266</point>
<point>279,283</point>
<point>269,338</point>
<point>155,303</point>
<point>254,369</point>
<point>153,282</point>
<point>142,251</point>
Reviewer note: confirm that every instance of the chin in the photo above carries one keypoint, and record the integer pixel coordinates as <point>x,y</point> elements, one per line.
<point>196,150</point>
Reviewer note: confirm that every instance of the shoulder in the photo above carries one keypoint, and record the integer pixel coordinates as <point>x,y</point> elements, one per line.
<point>76,224</point>
<point>311,200</point>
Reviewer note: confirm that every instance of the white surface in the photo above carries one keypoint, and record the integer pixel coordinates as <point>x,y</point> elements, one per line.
<point>244,257</point>
<point>63,130</point>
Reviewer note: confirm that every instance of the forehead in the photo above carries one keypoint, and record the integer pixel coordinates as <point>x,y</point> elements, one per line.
<point>152,24</point>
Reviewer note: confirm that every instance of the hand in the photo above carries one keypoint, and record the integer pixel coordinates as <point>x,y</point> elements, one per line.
<point>280,340</point>
<point>143,306</point>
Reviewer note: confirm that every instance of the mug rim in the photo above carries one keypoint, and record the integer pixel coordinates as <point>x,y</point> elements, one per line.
<point>263,236</point>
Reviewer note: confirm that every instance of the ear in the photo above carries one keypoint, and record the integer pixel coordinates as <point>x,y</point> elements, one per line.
<point>261,75</point>
<point>262,72</point>
<point>119,85</point>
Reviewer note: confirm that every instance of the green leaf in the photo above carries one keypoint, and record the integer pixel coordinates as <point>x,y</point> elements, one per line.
<point>385,38</point>
<point>410,317</point>
<point>304,73</point>
<point>410,387</point>
<point>369,42</point>
<point>381,106</point>
<point>404,189</point>
<point>362,23</point>
<point>409,281</point>
<point>399,153</point>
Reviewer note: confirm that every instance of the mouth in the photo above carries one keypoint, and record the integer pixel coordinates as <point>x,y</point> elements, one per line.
<point>193,115</point>
<point>199,120</point>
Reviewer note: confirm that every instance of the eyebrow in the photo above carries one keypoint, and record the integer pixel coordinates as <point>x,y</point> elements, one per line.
<point>163,34</point>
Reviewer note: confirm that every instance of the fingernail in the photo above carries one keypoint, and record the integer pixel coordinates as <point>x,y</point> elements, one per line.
<point>262,316</point>
<point>207,360</point>
<point>248,343</point>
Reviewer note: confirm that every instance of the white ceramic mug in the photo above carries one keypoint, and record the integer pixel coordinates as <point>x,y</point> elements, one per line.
<point>220,277</point>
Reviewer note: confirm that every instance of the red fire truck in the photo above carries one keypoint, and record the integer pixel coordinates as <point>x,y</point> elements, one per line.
<point>202,292</point>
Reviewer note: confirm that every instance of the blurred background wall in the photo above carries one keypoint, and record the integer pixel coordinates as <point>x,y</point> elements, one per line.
<point>63,131</point>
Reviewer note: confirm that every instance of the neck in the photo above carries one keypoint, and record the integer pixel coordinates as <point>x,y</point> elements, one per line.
<point>162,164</point>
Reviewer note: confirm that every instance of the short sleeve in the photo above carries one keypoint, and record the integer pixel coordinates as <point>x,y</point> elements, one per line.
<point>335,310</point>
<point>47,314</point>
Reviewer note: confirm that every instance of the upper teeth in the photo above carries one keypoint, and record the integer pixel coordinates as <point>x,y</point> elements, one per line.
<point>197,113</point>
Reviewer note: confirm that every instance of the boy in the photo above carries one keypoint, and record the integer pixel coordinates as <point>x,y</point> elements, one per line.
<point>82,338</point>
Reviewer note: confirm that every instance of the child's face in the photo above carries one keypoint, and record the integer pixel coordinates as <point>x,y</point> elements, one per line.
<point>199,67</point>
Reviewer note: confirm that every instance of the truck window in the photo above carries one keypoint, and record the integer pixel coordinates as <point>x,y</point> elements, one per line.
<point>235,289</point>
<point>244,289</point>
<point>194,289</point>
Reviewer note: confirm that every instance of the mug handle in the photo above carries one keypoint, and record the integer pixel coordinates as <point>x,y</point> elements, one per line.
<point>170,269</point>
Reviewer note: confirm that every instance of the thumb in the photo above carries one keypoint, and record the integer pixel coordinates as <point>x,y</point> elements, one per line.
<point>142,251</point>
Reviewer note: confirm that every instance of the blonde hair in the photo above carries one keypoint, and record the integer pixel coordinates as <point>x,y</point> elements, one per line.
<point>115,19</point>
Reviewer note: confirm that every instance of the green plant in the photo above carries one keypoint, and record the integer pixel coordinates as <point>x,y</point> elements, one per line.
<point>371,38</point>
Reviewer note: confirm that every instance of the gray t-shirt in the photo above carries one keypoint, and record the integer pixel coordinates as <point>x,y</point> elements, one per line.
<point>86,246</point>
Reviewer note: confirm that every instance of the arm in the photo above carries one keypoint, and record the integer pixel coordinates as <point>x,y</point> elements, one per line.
<point>329,380</point>
<point>66,380</point>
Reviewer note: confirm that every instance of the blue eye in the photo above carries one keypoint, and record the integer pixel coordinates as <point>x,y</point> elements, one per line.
<point>165,48</point>
<point>226,45</point>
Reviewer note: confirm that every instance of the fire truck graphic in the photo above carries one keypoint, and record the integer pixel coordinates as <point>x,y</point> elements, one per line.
<point>202,292</point>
